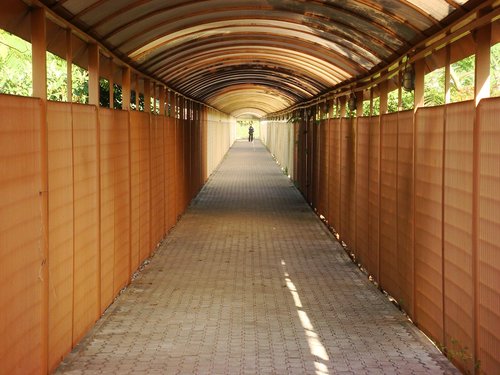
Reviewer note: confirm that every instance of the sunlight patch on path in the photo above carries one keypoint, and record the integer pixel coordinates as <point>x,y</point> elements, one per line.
<point>315,346</point>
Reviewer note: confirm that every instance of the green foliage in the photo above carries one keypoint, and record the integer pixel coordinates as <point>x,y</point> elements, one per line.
<point>376,106</point>
<point>495,70</point>
<point>244,123</point>
<point>57,78</point>
<point>392,101</point>
<point>462,79</point>
<point>104,94</point>
<point>366,108</point>
<point>407,100</point>
<point>16,79</point>
<point>15,65</point>
<point>80,87</point>
<point>456,352</point>
<point>434,88</point>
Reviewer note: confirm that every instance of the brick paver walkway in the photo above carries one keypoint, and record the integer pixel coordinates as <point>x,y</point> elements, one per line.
<point>251,282</point>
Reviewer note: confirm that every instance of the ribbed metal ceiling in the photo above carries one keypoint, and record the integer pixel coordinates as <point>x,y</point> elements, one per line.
<point>258,56</point>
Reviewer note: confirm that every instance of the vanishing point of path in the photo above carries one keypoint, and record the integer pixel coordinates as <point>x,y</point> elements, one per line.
<point>251,282</point>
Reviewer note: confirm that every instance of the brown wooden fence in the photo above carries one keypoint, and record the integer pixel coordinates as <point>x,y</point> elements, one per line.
<point>117,182</point>
<point>416,199</point>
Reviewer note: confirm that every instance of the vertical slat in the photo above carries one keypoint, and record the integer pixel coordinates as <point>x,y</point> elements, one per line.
<point>323,169</point>
<point>458,180</point>
<point>374,198</point>
<point>122,200</point>
<point>334,173</point>
<point>60,163</point>
<point>144,186</point>
<point>388,204</point>
<point>135,189</point>
<point>348,182</point>
<point>170,181</point>
<point>39,75</point>
<point>157,179</point>
<point>428,221</point>
<point>362,190</point>
<point>316,128</point>
<point>488,237</point>
<point>21,293</point>
<point>405,211</point>
<point>86,216</point>
<point>107,201</point>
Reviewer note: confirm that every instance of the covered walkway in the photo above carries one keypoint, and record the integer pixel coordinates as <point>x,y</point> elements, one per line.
<point>251,282</point>
<point>381,117</point>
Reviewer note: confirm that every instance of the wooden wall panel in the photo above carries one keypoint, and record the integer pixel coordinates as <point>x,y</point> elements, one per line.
<point>122,212</point>
<point>316,163</point>
<point>188,158</point>
<point>457,240</point>
<point>157,181</point>
<point>388,204</point>
<point>334,175</point>
<point>135,190</point>
<point>179,167</point>
<point>107,182</point>
<point>145,242</point>
<point>347,182</point>
<point>60,177</point>
<point>86,206</point>
<point>428,221</point>
<point>302,163</point>
<point>21,234</point>
<point>362,189</point>
<point>323,168</point>
<point>170,210</point>
<point>310,146</point>
<point>488,241</point>
<point>404,246</point>
<point>372,261</point>
<point>204,145</point>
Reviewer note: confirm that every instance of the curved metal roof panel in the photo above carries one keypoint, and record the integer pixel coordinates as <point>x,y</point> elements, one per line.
<point>270,53</point>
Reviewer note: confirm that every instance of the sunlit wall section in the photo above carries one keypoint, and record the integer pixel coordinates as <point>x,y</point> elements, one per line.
<point>221,134</point>
<point>278,136</point>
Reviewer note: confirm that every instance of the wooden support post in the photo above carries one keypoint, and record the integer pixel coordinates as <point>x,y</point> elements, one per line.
<point>147,95</point>
<point>400,91</point>
<point>69,65</point>
<point>359,104</point>
<point>169,105</point>
<point>419,72</point>
<point>342,103</point>
<point>419,84</point>
<point>482,90</point>
<point>482,73</point>
<point>371,101</point>
<point>383,86</point>
<point>94,74</point>
<point>135,86</point>
<point>39,51</point>
<point>126,88</point>
<point>161,96</point>
<point>39,66</point>
<point>154,97</point>
<point>111,84</point>
<point>447,76</point>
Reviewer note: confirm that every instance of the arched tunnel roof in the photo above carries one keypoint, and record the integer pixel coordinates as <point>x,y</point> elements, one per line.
<point>258,56</point>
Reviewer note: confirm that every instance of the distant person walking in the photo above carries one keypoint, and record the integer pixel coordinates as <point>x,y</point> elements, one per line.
<point>250,134</point>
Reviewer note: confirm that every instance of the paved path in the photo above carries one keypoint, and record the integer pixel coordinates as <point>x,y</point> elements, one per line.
<point>251,282</point>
